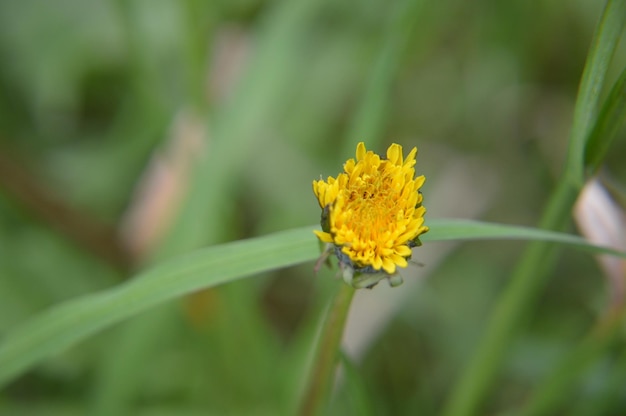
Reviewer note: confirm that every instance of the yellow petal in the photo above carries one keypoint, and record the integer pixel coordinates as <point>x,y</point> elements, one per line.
<point>419,181</point>
<point>403,251</point>
<point>360,151</point>
<point>399,261</point>
<point>324,237</point>
<point>389,266</point>
<point>377,262</point>
<point>394,154</point>
<point>410,159</point>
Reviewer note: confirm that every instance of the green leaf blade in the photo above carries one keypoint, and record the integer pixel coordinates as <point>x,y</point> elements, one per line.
<point>65,324</point>
<point>607,126</point>
<point>602,49</point>
<point>450,230</point>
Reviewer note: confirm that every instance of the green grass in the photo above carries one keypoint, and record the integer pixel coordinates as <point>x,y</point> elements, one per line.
<point>222,314</point>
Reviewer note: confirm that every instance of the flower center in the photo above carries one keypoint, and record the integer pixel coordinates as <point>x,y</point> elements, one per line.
<point>372,204</point>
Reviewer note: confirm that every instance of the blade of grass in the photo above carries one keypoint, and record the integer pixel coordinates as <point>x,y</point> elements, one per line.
<point>69,322</point>
<point>531,272</point>
<point>459,229</point>
<point>607,126</point>
<point>602,49</point>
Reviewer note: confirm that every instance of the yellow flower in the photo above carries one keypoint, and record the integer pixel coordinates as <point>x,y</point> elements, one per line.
<point>372,214</point>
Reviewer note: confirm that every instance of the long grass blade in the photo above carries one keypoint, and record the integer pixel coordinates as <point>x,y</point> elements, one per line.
<point>607,126</point>
<point>599,58</point>
<point>67,323</point>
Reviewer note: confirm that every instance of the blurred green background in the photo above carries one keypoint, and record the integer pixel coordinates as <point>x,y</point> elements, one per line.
<point>132,131</point>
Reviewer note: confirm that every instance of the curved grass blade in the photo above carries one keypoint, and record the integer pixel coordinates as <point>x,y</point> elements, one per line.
<point>67,323</point>
<point>607,126</point>
<point>602,49</point>
<point>448,230</point>
<point>63,325</point>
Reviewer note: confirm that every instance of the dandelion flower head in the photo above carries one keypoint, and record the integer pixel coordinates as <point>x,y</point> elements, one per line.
<point>372,213</point>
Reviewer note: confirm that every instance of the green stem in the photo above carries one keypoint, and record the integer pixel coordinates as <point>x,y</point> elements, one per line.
<point>327,354</point>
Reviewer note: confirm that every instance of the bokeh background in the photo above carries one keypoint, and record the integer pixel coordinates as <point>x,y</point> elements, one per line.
<point>132,131</point>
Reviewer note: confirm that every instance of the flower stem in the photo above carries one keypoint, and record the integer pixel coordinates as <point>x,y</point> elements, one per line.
<point>327,354</point>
